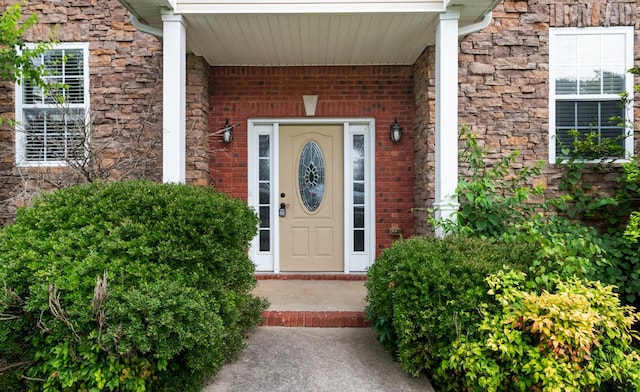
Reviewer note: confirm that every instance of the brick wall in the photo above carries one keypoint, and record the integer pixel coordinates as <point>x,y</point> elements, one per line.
<point>125,81</point>
<point>381,92</point>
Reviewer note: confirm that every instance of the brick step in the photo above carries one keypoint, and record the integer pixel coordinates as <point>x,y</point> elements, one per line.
<point>269,276</point>
<point>315,318</point>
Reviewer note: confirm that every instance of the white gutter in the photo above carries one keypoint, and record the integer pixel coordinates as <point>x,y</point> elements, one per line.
<point>483,24</point>
<point>472,28</point>
<point>145,28</point>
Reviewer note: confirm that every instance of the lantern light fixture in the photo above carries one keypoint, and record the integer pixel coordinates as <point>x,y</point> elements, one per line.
<point>395,132</point>
<point>227,132</point>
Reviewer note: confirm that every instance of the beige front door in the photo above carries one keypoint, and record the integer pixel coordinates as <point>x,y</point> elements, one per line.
<point>311,193</point>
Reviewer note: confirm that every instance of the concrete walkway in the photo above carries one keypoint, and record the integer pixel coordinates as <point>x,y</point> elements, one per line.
<point>280,359</point>
<point>314,359</point>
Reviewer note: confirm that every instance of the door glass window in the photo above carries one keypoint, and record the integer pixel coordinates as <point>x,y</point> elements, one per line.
<point>264,185</point>
<point>358,193</point>
<point>311,176</point>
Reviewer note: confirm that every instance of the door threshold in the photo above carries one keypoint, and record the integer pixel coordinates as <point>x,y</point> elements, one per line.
<point>311,276</point>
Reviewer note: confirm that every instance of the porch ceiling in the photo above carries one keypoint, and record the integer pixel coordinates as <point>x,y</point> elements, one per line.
<point>312,32</point>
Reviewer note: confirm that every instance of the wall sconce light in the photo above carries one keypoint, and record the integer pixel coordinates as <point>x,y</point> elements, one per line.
<point>227,132</point>
<point>395,131</point>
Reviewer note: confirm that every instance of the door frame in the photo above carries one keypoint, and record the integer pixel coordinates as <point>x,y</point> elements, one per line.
<point>354,261</point>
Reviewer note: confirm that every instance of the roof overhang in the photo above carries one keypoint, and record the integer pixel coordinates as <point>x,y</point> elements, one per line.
<point>312,32</point>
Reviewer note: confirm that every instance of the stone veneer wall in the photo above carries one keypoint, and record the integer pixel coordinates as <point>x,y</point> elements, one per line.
<point>197,121</point>
<point>503,76</point>
<point>125,86</point>
<point>424,139</point>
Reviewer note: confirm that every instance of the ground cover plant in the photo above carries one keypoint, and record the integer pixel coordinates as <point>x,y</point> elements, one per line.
<point>129,286</point>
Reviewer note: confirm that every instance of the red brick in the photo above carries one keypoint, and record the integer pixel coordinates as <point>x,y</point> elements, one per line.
<point>323,319</point>
<point>381,92</point>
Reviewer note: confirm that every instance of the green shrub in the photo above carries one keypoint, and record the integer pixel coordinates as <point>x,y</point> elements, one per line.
<point>614,216</point>
<point>563,249</point>
<point>623,268</point>
<point>423,293</point>
<point>574,338</point>
<point>126,286</point>
<point>632,231</point>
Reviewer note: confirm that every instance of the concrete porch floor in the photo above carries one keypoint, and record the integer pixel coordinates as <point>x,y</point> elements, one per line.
<point>317,302</point>
<point>313,294</point>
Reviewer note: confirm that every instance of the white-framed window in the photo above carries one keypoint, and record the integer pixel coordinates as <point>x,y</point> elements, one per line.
<point>52,127</point>
<point>588,72</point>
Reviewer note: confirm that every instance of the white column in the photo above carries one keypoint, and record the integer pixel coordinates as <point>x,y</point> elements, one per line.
<point>174,65</point>
<point>446,202</point>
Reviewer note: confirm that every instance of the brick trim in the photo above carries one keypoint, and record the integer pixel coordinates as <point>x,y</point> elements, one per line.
<point>358,277</point>
<point>314,319</point>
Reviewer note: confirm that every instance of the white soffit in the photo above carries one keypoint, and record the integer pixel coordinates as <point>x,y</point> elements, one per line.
<point>313,32</point>
<point>309,39</point>
<point>306,6</point>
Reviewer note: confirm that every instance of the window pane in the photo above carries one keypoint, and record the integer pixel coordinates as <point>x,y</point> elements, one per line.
<point>263,170</point>
<point>566,80</point>
<point>264,217</point>
<point>565,113</point>
<point>589,49</point>
<point>587,114</point>
<point>311,176</point>
<point>590,80</point>
<point>263,146</point>
<point>613,80</point>
<point>614,47</point>
<point>358,193</point>
<point>358,217</point>
<point>53,61</point>
<point>263,198</point>
<point>358,146</point>
<point>358,170</point>
<point>600,117</point>
<point>73,63</point>
<point>265,240</point>
<point>564,49</point>
<point>32,94</point>
<point>74,92</point>
<point>358,241</point>
<point>612,113</point>
<point>54,136</point>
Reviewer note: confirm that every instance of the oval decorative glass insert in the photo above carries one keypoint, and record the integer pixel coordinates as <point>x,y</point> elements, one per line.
<point>311,176</point>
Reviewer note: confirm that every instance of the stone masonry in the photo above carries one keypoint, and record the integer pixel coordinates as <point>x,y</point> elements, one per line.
<point>503,91</point>
<point>125,86</point>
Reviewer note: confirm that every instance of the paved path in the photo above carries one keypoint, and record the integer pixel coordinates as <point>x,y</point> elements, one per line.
<point>317,360</point>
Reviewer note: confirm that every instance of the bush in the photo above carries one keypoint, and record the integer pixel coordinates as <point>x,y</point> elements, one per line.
<point>564,249</point>
<point>423,293</point>
<point>127,286</point>
<point>575,338</point>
